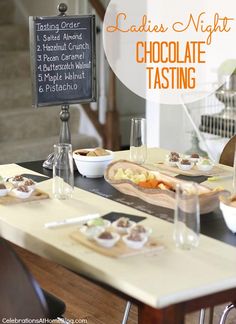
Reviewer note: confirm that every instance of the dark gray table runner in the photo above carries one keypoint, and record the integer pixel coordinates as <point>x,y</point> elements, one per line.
<point>212,224</point>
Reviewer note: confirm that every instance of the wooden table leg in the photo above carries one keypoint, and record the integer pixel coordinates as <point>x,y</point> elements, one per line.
<point>211,314</point>
<point>170,315</point>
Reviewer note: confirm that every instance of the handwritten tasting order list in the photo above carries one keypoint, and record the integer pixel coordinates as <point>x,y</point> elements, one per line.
<point>64,56</point>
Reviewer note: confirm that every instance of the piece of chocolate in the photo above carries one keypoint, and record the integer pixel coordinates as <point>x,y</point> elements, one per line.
<point>105,236</point>
<point>2,186</point>
<point>18,178</point>
<point>185,162</point>
<point>23,188</point>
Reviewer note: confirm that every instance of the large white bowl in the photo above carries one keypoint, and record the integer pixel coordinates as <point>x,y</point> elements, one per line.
<point>92,166</point>
<point>229,214</point>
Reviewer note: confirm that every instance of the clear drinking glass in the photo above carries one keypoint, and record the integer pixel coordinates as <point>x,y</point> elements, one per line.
<point>63,173</point>
<point>138,142</point>
<point>187,216</point>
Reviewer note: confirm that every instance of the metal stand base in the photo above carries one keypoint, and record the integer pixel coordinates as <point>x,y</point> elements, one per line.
<point>195,146</point>
<point>48,164</point>
<point>65,136</point>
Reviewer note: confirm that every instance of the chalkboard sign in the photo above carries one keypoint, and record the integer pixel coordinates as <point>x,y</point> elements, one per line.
<point>63,59</point>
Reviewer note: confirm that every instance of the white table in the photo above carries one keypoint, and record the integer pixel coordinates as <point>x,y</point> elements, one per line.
<point>166,285</point>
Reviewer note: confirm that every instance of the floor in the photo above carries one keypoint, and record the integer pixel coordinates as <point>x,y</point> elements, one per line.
<point>87,302</point>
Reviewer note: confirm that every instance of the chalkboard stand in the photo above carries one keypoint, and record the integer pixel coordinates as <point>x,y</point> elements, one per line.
<point>65,136</point>
<point>63,64</point>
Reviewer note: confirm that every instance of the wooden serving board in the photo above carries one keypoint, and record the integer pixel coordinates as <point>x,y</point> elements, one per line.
<point>208,198</point>
<point>11,199</point>
<point>194,172</point>
<point>119,250</point>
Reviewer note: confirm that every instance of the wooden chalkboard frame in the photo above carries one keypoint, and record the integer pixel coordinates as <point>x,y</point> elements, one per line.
<point>33,61</point>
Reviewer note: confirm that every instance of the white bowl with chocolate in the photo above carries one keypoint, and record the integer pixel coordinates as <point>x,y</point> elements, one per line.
<point>185,164</point>
<point>122,225</point>
<point>107,239</point>
<point>91,163</point>
<point>16,180</point>
<point>135,240</point>
<point>140,229</point>
<point>29,183</point>
<point>3,190</point>
<point>22,192</point>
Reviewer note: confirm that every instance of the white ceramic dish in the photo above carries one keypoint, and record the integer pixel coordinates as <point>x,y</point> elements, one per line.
<point>4,192</point>
<point>134,244</point>
<point>148,231</point>
<point>99,222</point>
<point>204,167</point>
<point>91,231</point>
<point>92,166</point>
<point>120,229</point>
<point>21,194</point>
<point>108,243</point>
<point>229,214</point>
<point>16,183</point>
<point>185,167</point>
<point>31,187</point>
<point>170,163</point>
<point>194,160</point>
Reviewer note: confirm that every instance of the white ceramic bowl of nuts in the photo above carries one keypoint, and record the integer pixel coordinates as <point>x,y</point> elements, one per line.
<point>91,163</point>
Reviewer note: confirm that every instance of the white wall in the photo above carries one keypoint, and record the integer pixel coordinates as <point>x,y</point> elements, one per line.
<point>129,105</point>
<point>173,134</point>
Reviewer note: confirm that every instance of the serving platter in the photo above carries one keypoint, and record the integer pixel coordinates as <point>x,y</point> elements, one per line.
<point>120,250</point>
<point>194,172</point>
<point>11,199</point>
<point>208,198</point>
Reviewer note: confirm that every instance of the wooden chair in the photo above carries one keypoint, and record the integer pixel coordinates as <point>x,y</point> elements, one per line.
<point>227,158</point>
<point>227,155</point>
<point>21,296</point>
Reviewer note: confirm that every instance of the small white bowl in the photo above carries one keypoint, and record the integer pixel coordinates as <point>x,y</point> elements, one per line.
<point>96,222</point>
<point>21,194</point>
<point>31,187</point>
<point>108,243</point>
<point>4,192</point>
<point>229,214</point>
<point>92,166</point>
<point>170,163</point>
<point>122,230</point>
<point>194,160</point>
<point>134,244</point>
<point>148,230</point>
<point>91,231</point>
<point>185,167</point>
<point>15,183</point>
<point>205,167</point>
